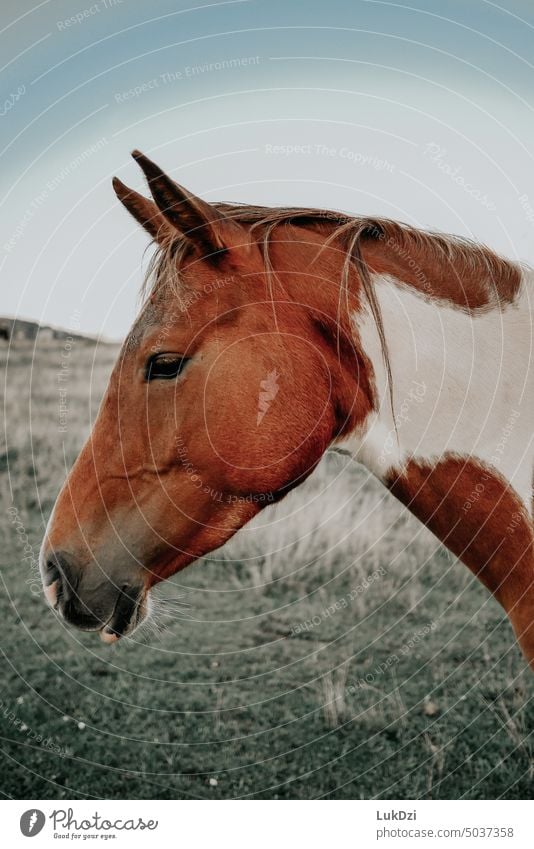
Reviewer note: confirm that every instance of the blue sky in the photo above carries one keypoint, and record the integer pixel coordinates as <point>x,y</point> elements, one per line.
<point>422,112</point>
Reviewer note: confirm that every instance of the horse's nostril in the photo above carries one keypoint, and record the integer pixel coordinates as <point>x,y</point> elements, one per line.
<point>52,580</point>
<point>60,578</point>
<point>52,572</point>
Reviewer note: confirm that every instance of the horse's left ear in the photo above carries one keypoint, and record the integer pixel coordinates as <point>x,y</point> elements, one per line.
<point>216,237</point>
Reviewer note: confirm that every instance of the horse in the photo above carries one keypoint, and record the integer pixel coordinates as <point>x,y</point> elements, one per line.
<point>269,335</point>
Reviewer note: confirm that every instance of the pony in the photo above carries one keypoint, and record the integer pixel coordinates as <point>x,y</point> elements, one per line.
<point>269,335</point>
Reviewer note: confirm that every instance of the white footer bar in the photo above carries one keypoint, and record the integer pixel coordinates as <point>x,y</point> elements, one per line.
<point>252,824</point>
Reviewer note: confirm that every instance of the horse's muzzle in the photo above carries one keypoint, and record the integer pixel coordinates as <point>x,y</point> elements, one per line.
<point>91,600</point>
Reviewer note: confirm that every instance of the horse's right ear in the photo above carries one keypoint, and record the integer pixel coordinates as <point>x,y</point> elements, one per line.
<point>143,210</point>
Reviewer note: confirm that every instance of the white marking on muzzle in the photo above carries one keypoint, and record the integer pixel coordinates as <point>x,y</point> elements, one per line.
<point>50,593</point>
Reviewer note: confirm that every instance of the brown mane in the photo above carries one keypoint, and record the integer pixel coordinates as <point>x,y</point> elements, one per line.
<point>447,268</point>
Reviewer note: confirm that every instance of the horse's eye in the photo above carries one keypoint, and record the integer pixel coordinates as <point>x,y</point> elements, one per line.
<point>165,366</point>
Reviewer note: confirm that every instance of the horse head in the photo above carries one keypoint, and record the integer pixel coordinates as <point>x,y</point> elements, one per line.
<point>241,369</point>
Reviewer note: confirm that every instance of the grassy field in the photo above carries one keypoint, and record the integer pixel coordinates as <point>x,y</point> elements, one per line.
<point>333,649</point>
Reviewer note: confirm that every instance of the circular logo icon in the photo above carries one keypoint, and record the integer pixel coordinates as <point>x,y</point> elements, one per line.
<point>31,822</point>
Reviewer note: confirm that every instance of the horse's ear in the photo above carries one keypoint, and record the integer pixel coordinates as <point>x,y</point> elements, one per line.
<point>214,235</point>
<point>143,210</point>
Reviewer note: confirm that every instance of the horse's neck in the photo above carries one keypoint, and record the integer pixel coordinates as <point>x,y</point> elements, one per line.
<point>460,451</point>
<point>460,386</point>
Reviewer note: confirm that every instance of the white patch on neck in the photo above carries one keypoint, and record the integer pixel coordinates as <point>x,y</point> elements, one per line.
<point>461,385</point>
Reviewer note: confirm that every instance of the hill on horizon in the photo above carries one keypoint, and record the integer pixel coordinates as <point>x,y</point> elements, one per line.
<point>14,329</point>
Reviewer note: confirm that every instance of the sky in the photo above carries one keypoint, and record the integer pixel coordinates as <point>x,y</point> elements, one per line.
<point>421,112</point>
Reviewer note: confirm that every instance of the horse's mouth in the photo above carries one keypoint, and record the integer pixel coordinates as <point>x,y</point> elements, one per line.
<point>127,615</point>
<point>129,611</point>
